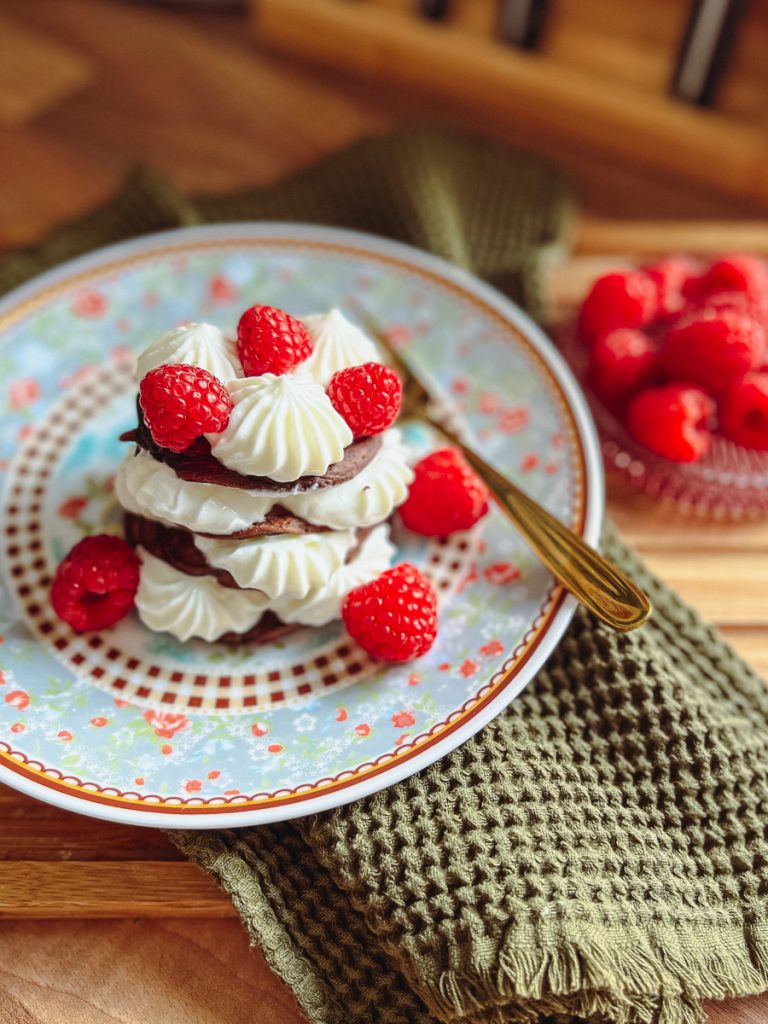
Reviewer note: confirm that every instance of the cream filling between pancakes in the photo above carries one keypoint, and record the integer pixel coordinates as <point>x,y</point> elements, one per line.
<point>280,565</point>
<point>150,488</point>
<point>169,600</point>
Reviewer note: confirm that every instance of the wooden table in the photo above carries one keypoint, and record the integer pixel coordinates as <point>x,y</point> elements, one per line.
<point>87,89</point>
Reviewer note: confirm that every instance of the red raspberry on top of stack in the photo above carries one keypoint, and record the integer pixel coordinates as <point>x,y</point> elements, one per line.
<point>269,340</point>
<point>367,396</point>
<point>181,403</point>
<point>674,349</point>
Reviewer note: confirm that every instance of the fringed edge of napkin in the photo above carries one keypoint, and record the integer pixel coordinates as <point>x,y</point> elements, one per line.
<point>550,968</point>
<point>624,971</point>
<point>559,968</point>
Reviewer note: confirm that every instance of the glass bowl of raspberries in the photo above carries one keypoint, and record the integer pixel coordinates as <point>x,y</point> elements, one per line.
<point>673,357</point>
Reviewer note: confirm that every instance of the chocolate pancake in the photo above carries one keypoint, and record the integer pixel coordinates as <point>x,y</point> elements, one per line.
<point>267,629</point>
<point>277,520</point>
<point>198,464</point>
<point>172,545</point>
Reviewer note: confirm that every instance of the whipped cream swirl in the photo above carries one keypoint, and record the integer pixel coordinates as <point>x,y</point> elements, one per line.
<point>150,488</point>
<point>337,344</point>
<point>323,604</point>
<point>195,344</point>
<point>285,564</point>
<point>280,427</point>
<point>187,606</point>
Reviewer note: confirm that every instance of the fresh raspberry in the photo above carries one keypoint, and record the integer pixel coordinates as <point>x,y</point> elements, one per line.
<point>670,276</point>
<point>673,421</point>
<point>622,299</point>
<point>393,618</point>
<point>744,411</point>
<point>738,272</point>
<point>693,292</point>
<point>620,362</point>
<point>368,397</point>
<point>95,585</point>
<point>712,348</point>
<point>754,306</point>
<point>446,495</point>
<point>181,403</point>
<point>269,340</point>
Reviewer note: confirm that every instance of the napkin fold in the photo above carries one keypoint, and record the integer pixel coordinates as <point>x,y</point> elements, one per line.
<point>597,851</point>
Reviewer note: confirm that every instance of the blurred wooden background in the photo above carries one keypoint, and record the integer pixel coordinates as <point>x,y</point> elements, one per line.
<point>599,79</point>
<point>88,89</point>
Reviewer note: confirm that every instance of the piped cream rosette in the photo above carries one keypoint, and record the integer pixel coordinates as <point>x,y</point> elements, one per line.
<point>338,344</point>
<point>287,564</point>
<point>280,427</point>
<point>170,601</point>
<point>200,345</point>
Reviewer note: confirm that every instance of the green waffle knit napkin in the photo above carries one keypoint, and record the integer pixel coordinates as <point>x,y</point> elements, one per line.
<point>599,850</point>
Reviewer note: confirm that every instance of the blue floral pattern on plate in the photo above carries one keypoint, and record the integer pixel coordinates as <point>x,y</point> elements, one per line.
<point>143,728</point>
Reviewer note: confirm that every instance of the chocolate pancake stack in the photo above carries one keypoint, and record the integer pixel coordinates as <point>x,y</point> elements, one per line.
<point>237,555</point>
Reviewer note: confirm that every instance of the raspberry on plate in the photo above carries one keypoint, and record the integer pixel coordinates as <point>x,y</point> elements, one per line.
<point>625,298</point>
<point>446,495</point>
<point>94,587</point>
<point>712,348</point>
<point>670,277</point>
<point>181,403</point>
<point>744,411</point>
<point>269,340</point>
<point>394,617</point>
<point>367,396</point>
<point>673,421</point>
<point>620,362</point>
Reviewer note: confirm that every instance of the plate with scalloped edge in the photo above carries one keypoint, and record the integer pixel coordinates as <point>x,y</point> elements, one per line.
<point>133,726</point>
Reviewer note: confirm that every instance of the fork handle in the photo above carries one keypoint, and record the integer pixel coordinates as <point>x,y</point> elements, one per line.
<point>595,581</point>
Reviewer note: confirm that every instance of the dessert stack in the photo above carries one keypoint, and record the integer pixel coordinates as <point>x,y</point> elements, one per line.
<point>262,474</point>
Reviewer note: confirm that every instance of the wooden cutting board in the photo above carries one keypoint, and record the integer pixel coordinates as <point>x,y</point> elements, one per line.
<point>56,864</point>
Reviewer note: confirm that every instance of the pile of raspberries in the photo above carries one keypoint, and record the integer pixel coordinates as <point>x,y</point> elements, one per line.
<point>678,351</point>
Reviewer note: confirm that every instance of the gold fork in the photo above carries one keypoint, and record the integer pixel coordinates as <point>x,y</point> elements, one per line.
<point>595,581</point>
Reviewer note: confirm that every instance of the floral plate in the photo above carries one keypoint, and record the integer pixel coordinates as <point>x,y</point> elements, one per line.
<point>135,727</point>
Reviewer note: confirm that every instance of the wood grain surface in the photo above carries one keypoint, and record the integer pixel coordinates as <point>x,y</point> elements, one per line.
<point>576,100</point>
<point>103,85</point>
